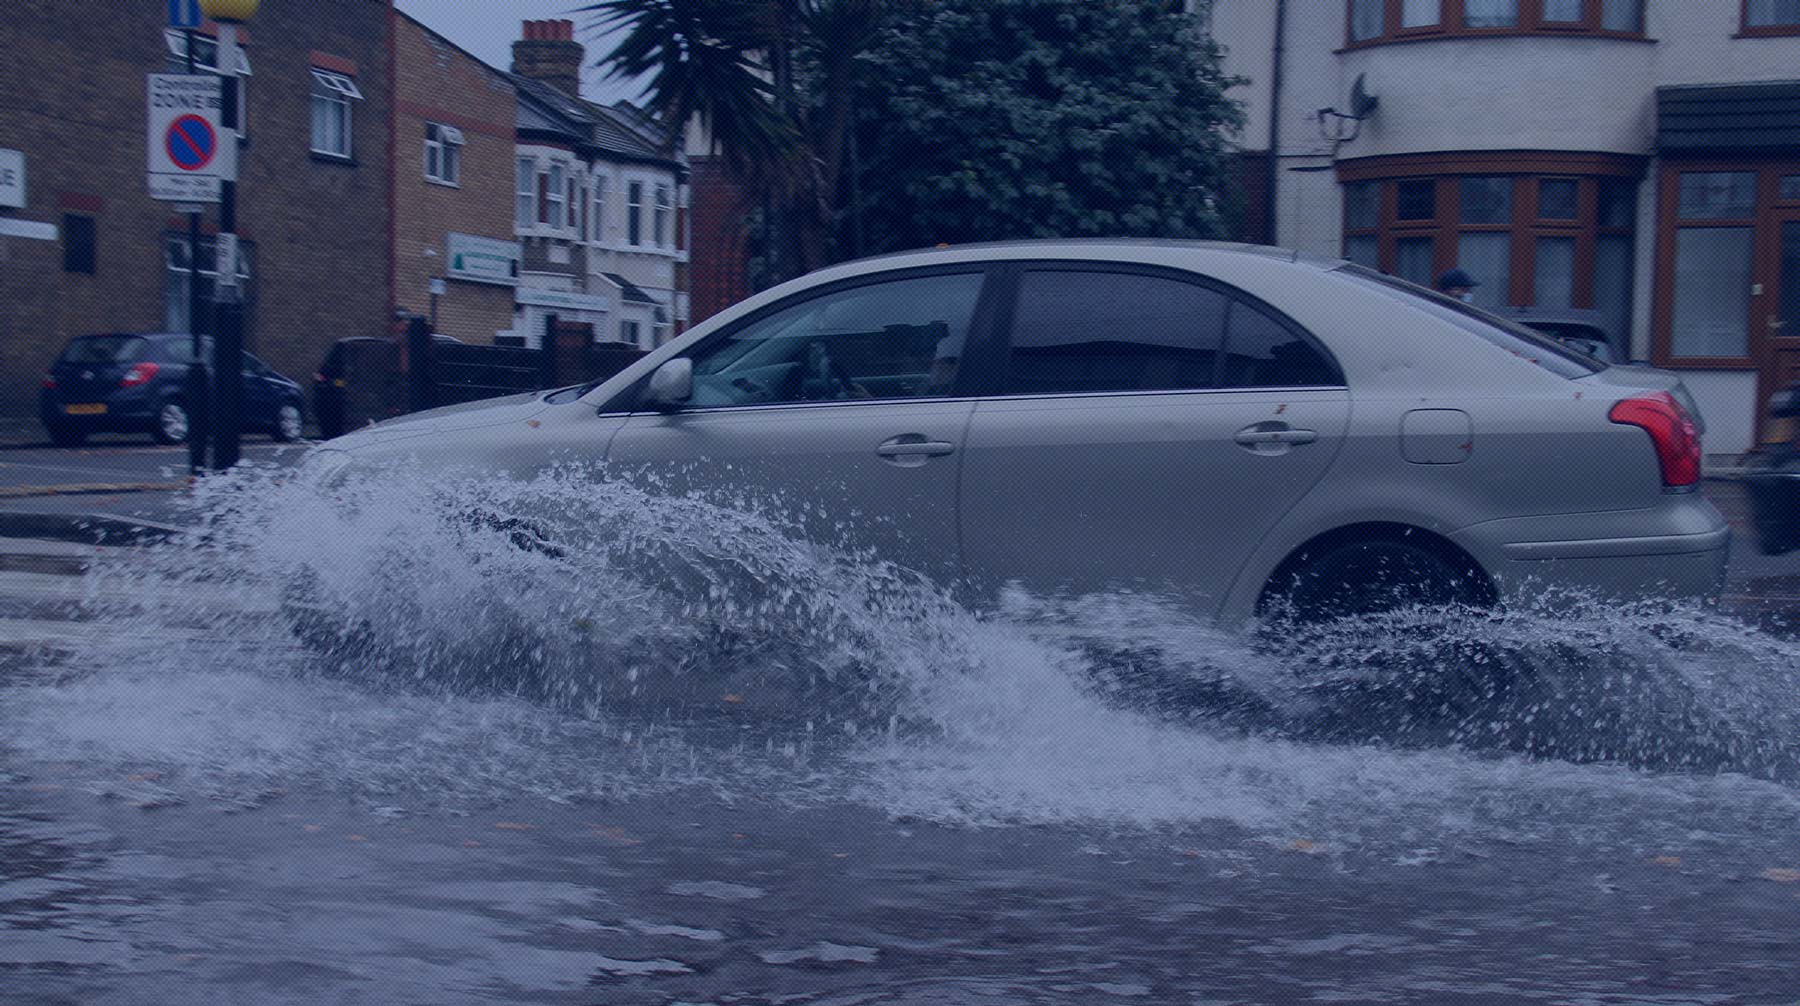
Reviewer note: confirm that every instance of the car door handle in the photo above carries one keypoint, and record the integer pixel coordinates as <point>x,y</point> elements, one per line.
<point>1274,433</point>
<point>899,448</point>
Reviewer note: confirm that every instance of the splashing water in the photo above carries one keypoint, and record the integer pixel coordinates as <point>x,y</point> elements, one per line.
<point>570,635</point>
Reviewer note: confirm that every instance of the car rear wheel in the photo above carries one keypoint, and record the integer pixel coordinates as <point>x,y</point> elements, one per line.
<point>171,423</point>
<point>287,423</point>
<point>1369,576</point>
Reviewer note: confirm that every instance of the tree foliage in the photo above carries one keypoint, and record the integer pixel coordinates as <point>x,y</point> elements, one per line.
<point>998,119</point>
<point>871,125</point>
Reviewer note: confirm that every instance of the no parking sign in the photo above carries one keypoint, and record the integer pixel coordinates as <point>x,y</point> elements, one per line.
<point>189,152</point>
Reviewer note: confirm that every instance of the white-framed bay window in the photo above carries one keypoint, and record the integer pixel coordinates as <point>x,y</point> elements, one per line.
<point>526,189</point>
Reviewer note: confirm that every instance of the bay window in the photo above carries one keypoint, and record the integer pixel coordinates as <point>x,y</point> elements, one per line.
<point>1551,230</point>
<point>1372,21</point>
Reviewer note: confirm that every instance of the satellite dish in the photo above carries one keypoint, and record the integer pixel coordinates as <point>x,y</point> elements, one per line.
<point>1361,101</point>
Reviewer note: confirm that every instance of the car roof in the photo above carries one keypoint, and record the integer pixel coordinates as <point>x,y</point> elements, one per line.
<point>1078,247</point>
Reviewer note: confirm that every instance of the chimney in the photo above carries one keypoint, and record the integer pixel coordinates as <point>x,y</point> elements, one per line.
<point>549,53</point>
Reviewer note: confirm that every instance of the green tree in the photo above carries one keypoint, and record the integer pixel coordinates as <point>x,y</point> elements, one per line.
<point>999,119</point>
<point>771,81</point>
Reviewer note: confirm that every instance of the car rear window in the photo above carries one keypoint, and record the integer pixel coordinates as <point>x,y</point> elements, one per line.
<point>89,350</point>
<point>1516,339</point>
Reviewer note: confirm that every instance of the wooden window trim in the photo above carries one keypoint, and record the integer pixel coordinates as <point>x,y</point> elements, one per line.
<point>1768,172</point>
<point>1531,22</point>
<point>1527,169</point>
<point>1748,30</point>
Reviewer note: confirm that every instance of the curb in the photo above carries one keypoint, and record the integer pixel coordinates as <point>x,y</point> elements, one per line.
<point>85,528</point>
<point>96,489</point>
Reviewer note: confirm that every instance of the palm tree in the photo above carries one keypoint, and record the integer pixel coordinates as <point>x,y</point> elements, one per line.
<point>771,83</point>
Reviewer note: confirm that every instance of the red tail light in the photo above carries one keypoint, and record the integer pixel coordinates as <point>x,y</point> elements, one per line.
<point>49,382</point>
<point>140,373</point>
<point>1671,430</point>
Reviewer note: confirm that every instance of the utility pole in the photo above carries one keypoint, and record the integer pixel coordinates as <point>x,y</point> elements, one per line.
<point>228,302</point>
<point>199,384</point>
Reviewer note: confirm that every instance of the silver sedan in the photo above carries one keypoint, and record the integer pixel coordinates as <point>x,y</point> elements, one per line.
<point>1245,429</point>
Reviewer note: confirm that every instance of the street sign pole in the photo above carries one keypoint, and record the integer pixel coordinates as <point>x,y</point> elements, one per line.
<point>228,308</point>
<point>199,384</point>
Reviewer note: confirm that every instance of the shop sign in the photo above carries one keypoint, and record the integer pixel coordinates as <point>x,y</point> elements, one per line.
<point>562,299</point>
<point>481,260</point>
<point>12,179</point>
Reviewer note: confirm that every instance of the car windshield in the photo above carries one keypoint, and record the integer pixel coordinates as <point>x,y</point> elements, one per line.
<point>1523,342</point>
<point>104,349</point>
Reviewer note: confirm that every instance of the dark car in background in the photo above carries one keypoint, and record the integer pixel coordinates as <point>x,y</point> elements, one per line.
<point>137,383</point>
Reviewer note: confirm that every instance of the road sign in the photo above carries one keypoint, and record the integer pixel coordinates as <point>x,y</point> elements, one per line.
<point>184,13</point>
<point>225,259</point>
<point>189,151</point>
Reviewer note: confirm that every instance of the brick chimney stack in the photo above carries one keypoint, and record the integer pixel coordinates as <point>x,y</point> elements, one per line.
<point>549,53</point>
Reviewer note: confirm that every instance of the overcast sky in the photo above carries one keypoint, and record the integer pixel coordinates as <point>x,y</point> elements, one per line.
<point>488,28</point>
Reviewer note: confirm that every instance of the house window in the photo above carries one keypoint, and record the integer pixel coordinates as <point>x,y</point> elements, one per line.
<point>175,277</point>
<point>526,189</point>
<point>550,185</point>
<point>206,60</point>
<point>78,243</point>
<point>1772,17</point>
<point>1550,231</point>
<point>574,204</point>
<point>629,332</point>
<point>1372,21</point>
<point>659,328</point>
<point>664,206</point>
<point>634,213</point>
<point>332,94</point>
<point>599,209</point>
<point>443,153</point>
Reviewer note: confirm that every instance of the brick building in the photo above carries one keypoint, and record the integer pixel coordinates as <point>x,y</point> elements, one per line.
<point>453,186</point>
<point>89,251</point>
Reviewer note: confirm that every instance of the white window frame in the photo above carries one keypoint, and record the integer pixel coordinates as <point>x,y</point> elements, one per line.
<point>634,212</point>
<point>662,216</point>
<point>575,202</point>
<point>599,197</point>
<point>525,198</point>
<point>332,94</point>
<point>443,154</point>
<point>554,185</point>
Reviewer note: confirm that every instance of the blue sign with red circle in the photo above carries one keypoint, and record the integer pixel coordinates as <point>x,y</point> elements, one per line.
<point>191,142</point>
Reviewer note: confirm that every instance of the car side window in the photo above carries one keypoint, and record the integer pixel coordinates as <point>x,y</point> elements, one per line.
<point>1094,331</point>
<point>899,338</point>
<point>1261,352</point>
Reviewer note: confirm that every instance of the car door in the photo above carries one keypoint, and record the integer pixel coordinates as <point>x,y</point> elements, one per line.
<point>837,408</point>
<point>1146,429</point>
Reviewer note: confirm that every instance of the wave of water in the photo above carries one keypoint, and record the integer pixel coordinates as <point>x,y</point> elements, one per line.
<point>569,635</point>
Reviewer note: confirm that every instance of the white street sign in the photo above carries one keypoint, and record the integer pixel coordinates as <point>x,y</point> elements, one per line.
<point>12,179</point>
<point>189,152</point>
<point>225,259</point>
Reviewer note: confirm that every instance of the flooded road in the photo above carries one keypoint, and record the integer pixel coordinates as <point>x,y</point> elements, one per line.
<point>677,756</point>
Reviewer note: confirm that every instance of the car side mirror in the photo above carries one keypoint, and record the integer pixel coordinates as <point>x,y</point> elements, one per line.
<point>671,385</point>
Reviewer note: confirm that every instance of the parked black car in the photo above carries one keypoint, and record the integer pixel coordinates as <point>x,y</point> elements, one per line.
<point>1772,477</point>
<point>129,382</point>
<point>361,381</point>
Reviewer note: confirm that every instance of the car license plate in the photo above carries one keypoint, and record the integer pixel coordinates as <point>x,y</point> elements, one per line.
<point>86,409</point>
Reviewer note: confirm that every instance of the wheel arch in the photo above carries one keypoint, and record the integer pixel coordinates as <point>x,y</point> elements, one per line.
<point>1488,593</point>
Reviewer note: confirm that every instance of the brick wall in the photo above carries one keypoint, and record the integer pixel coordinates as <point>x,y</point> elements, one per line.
<point>72,98</point>
<point>718,259</point>
<point>437,82</point>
